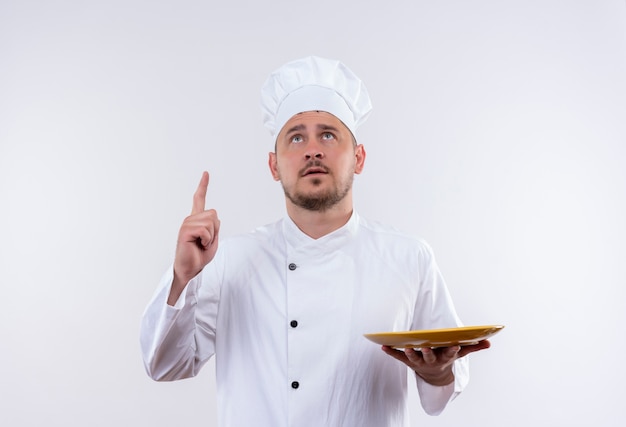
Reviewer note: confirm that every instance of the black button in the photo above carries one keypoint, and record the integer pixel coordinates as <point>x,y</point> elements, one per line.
<point>294,323</point>
<point>295,384</point>
<point>292,266</point>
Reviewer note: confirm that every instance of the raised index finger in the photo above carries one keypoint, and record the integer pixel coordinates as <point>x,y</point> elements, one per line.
<point>199,197</point>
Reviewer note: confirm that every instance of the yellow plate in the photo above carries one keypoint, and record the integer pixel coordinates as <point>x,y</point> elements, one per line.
<point>465,335</point>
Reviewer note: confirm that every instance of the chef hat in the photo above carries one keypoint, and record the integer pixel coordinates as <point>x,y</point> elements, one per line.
<point>314,84</point>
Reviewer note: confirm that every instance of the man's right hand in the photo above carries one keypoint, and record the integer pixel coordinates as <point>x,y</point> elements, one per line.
<point>197,241</point>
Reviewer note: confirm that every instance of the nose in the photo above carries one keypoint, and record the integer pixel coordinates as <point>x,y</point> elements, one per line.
<point>314,154</point>
<point>314,151</point>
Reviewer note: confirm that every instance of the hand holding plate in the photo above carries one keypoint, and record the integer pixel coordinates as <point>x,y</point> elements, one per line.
<point>434,365</point>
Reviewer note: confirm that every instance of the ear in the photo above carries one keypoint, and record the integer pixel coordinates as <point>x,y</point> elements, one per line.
<point>359,152</point>
<point>273,164</point>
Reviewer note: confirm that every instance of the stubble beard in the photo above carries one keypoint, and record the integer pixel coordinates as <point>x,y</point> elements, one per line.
<point>323,201</point>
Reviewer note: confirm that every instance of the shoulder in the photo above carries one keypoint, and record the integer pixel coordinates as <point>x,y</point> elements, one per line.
<point>392,244</point>
<point>377,230</point>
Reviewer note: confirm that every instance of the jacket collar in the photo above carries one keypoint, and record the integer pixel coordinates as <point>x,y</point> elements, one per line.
<point>297,240</point>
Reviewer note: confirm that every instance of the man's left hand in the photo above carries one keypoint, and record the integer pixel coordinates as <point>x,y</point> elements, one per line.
<point>434,365</point>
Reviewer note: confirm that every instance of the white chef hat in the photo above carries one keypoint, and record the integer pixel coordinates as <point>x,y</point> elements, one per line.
<point>314,84</point>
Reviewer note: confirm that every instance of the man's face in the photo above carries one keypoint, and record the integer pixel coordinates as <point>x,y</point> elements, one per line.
<point>315,160</point>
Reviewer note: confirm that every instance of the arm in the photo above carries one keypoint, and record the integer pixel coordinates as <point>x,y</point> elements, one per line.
<point>441,373</point>
<point>174,343</point>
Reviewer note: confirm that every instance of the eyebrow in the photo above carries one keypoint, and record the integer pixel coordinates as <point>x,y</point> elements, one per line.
<point>296,128</point>
<point>327,127</point>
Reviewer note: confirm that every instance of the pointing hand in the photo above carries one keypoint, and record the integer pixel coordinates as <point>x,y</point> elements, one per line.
<point>197,239</point>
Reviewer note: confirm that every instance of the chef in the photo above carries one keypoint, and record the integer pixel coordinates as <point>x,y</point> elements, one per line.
<point>285,307</point>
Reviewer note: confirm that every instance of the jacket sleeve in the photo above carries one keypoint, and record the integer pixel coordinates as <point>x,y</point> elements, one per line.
<point>176,341</point>
<point>435,309</point>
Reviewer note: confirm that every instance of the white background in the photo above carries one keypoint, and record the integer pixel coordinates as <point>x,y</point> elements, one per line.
<point>498,135</point>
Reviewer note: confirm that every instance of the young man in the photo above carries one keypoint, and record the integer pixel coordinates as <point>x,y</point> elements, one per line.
<point>284,308</point>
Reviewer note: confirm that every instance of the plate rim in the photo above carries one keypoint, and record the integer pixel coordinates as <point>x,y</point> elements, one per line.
<point>433,331</point>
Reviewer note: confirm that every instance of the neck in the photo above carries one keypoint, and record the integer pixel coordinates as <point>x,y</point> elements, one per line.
<point>316,224</point>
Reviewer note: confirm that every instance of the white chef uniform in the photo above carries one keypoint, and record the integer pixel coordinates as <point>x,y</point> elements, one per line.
<point>285,316</point>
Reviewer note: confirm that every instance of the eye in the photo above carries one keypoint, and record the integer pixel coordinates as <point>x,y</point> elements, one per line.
<point>328,135</point>
<point>297,139</point>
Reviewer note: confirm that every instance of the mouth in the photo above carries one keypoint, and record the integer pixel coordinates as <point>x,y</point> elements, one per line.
<point>315,170</point>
